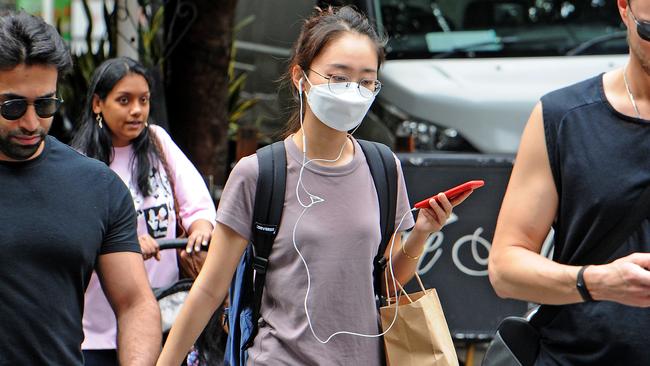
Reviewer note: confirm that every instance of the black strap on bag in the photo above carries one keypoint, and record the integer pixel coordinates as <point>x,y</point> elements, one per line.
<point>383,169</point>
<point>269,202</point>
<point>267,213</point>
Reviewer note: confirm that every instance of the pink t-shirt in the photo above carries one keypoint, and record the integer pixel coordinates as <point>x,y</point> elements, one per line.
<point>156,217</point>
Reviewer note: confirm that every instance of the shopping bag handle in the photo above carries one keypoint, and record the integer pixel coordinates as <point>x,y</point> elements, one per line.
<point>417,277</point>
<point>402,291</point>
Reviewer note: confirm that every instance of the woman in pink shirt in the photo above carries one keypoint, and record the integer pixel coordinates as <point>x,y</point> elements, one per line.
<point>115,129</point>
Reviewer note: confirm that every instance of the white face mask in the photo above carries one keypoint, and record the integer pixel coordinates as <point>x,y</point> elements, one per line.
<point>342,111</point>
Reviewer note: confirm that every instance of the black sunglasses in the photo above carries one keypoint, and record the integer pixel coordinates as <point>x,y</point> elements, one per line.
<point>642,26</point>
<point>15,108</point>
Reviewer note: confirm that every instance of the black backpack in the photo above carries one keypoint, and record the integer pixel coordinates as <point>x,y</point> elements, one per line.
<point>245,300</point>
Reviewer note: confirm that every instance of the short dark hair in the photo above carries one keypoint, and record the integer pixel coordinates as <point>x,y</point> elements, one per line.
<point>27,39</point>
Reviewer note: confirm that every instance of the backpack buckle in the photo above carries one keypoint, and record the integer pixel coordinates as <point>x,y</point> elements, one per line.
<point>380,301</point>
<point>260,264</point>
<point>381,263</point>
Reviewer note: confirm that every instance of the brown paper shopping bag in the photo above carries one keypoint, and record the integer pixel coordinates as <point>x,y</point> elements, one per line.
<point>420,335</point>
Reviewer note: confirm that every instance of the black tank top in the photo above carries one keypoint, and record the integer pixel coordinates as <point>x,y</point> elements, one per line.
<point>600,161</point>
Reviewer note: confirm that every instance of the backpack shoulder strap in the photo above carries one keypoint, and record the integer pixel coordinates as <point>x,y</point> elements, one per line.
<point>267,212</point>
<point>269,197</point>
<point>383,169</point>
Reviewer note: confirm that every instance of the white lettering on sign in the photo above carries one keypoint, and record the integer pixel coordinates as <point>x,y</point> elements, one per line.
<point>433,251</point>
<point>473,239</point>
<point>474,265</point>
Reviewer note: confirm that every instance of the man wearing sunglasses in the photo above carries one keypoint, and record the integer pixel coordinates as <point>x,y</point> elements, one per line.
<point>582,168</point>
<point>61,216</point>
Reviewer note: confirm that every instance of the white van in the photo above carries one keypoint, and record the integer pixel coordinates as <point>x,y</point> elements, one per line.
<point>465,74</point>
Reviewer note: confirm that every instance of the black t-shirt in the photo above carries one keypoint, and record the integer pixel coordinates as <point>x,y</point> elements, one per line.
<point>600,161</point>
<point>58,212</point>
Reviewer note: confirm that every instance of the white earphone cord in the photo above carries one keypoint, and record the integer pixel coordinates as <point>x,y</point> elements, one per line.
<point>392,275</point>
<point>314,200</point>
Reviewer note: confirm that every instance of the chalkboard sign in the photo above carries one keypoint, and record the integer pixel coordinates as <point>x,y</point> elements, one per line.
<point>455,259</point>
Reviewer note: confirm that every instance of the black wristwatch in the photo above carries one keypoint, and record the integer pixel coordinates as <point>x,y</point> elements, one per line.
<point>582,287</point>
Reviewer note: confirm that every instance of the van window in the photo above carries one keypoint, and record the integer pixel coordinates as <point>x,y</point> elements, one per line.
<point>500,28</point>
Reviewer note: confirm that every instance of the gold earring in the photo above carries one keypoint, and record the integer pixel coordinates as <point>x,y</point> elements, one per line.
<point>99,120</point>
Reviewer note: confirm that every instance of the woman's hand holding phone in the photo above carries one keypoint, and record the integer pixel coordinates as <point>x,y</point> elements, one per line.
<point>436,210</point>
<point>434,216</point>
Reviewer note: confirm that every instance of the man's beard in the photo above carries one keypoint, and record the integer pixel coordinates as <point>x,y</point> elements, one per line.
<point>17,151</point>
<point>637,51</point>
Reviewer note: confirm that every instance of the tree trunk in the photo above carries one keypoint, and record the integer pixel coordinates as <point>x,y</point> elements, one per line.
<point>197,80</point>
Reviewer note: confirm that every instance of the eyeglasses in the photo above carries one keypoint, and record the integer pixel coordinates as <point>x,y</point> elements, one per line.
<point>642,26</point>
<point>15,108</point>
<point>338,84</point>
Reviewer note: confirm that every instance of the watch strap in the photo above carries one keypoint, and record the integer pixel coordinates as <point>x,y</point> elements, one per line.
<point>582,287</point>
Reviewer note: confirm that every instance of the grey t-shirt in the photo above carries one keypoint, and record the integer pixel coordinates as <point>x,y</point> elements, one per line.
<point>338,239</point>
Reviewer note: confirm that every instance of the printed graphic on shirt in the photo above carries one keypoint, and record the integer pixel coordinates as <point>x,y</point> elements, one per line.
<point>159,184</point>
<point>156,210</point>
<point>157,219</point>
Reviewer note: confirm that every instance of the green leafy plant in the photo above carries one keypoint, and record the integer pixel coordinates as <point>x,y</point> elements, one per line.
<point>74,86</point>
<point>238,105</point>
<point>152,47</point>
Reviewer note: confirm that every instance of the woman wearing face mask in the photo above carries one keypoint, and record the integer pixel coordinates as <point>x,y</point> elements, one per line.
<point>330,216</point>
<point>115,128</point>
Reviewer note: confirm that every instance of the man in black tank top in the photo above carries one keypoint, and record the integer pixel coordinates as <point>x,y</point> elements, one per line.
<point>583,162</point>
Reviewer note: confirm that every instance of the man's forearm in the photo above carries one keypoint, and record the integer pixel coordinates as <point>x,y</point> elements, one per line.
<point>519,273</point>
<point>139,334</point>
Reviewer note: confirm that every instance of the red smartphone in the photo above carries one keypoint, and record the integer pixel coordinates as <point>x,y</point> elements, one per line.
<point>453,192</point>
